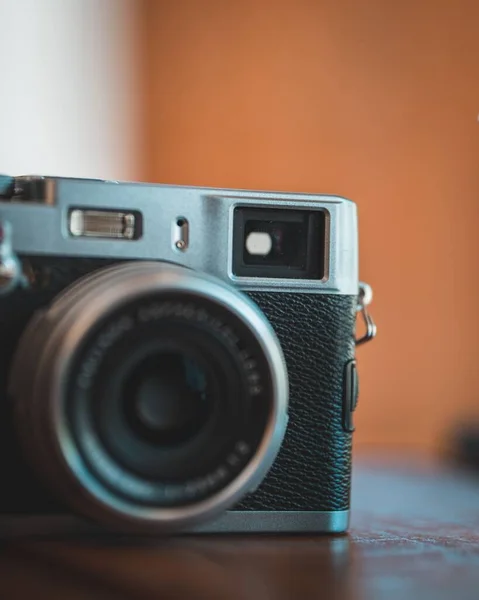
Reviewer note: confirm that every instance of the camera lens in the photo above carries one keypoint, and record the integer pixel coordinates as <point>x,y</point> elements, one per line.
<point>167,398</point>
<point>159,398</point>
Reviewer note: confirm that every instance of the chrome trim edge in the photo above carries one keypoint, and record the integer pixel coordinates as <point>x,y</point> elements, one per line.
<point>246,522</point>
<point>278,522</point>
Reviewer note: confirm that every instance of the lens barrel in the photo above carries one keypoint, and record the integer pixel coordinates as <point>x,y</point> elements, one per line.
<point>150,397</point>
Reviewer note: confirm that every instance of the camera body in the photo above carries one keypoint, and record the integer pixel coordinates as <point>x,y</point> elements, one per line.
<point>292,257</point>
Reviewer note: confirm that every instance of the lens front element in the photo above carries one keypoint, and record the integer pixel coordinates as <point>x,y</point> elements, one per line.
<point>166,398</point>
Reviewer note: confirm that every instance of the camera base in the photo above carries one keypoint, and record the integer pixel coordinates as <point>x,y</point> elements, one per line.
<point>231,522</point>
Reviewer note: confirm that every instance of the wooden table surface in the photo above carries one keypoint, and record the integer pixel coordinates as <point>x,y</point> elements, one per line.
<point>414,534</point>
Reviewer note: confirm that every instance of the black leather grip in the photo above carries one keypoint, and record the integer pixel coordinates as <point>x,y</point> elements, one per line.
<point>313,469</point>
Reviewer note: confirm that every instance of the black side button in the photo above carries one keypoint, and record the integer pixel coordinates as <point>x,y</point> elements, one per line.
<point>350,396</point>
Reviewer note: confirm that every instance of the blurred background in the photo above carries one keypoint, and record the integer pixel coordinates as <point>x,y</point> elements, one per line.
<point>374,100</point>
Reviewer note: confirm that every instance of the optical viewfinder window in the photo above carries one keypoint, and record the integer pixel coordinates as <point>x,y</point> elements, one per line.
<point>279,243</point>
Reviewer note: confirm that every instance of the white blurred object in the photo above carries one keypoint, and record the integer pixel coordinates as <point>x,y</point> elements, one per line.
<point>69,88</point>
<point>259,243</point>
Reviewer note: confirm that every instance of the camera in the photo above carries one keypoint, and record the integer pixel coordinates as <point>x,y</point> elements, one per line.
<point>175,358</point>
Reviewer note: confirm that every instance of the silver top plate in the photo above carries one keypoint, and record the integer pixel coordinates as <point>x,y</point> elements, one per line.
<point>41,227</point>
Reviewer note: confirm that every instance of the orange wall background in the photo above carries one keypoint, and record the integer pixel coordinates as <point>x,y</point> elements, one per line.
<point>374,100</point>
